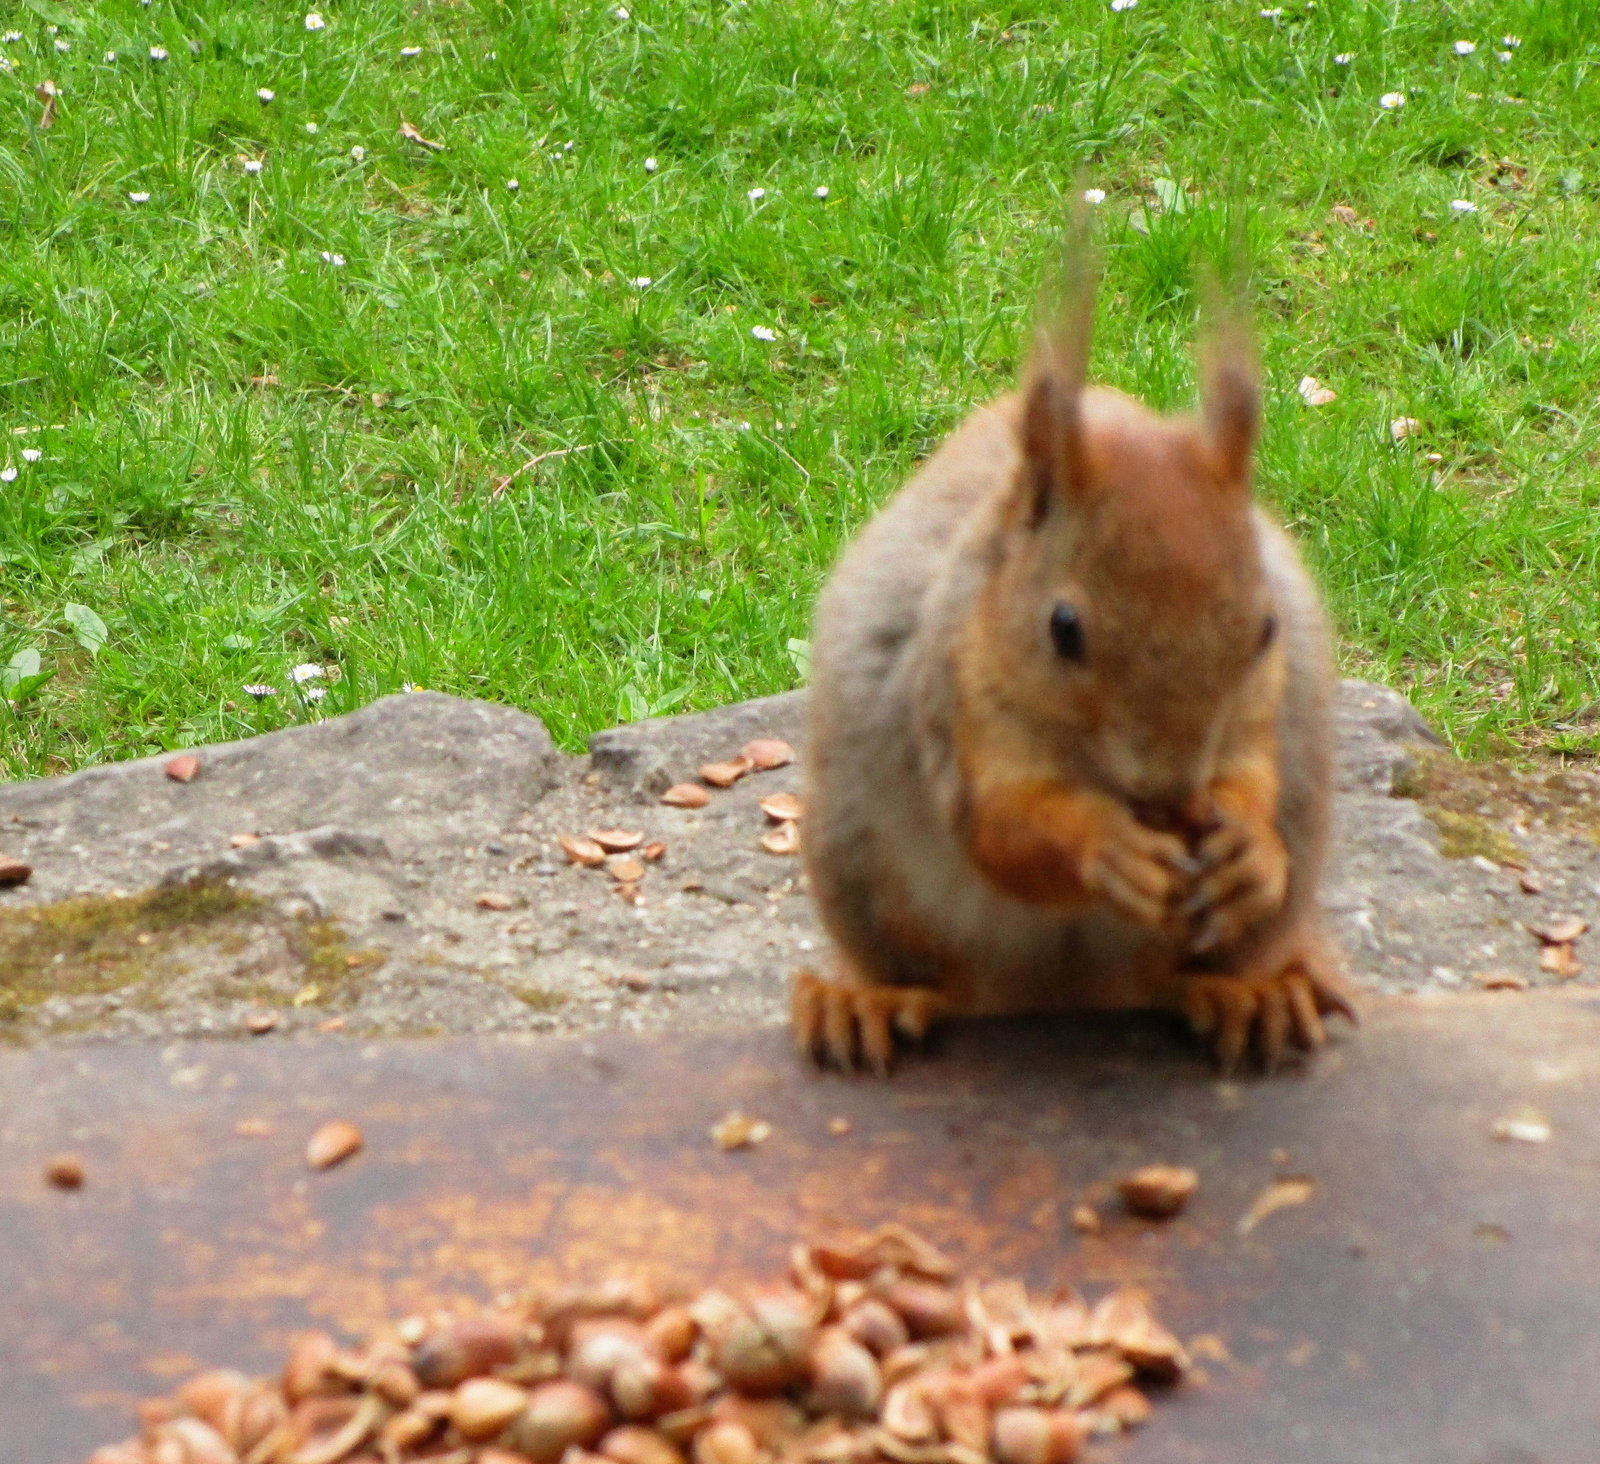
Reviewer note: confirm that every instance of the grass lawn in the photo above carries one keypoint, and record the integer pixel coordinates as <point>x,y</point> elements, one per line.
<point>569,398</point>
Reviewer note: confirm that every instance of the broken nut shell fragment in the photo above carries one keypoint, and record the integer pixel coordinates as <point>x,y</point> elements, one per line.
<point>766,753</point>
<point>332,1144</point>
<point>726,774</point>
<point>1158,1191</point>
<point>582,850</point>
<point>686,795</point>
<point>617,841</point>
<point>184,768</point>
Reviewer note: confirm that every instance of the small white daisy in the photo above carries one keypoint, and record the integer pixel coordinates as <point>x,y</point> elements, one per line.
<point>642,283</point>
<point>314,21</point>
<point>138,198</point>
<point>763,332</point>
<point>755,195</point>
<point>252,165</point>
<point>1392,101</point>
<point>314,693</point>
<point>265,94</point>
<point>258,691</point>
<point>305,671</point>
<point>158,53</point>
<point>1344,58</point>
<point>1272,14</point>
<point>410,51</point>
<point>8,475</point>
<point>1094,195</point>
<point>358,152</point>
<point>111,56</point>
<point>7,64</point>
<point>822,190</point>
<point>512,185</point>
<point>650,165</point>
<point>11,37</point>
<point>1463,206</point>
<point>311,127</point>
<point>31,454</point>
<point>1464,48</point>
<point>1511,42</point>
<point>622,12</point>
<point>63,46</point>
<point>409,686</point>
<point>1123,4</point>
<point>1502,55</point>
<point>336,260</point>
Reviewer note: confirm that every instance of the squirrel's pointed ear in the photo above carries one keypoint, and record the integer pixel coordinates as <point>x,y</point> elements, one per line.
<point>1052,440</point>
<point>1231,402</point>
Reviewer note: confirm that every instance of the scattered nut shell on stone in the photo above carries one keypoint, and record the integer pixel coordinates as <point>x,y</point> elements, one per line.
<point>184,768</point>
<point>726,774</point>
<point>785,839</point>
<point>652,852</point>
<point>782,807</point>
<point>617,841</point>
<point>735,1131</point>
<point>495,900</point>
<point>65,1171</point>
<point>624,870</point>
<point>332,1144</point>
<point>686,795</point>
<point>583,850</point>
<point>1560,930</point>
<point>765,753</point>
<point>14,871</point>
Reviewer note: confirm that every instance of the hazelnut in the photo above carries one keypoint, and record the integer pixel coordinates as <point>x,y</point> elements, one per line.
<point>467,1348</point>
<point>482,1407</point>
<point>672,1332</point>
<point>309,1371</point>
<point>631,1444</point>
<point>765,1348</point>
<point>1037,1436</point>
<point>876,1326</point>
<point>725,1443</point>
<point>845,1378</point>
<point>927,1308</point>
<point>558,1415</point>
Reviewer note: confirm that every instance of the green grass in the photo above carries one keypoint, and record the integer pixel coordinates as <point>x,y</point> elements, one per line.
<point>253,457</point>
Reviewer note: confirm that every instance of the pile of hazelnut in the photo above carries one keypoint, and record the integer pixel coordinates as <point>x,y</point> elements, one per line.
<point>871,1351</point>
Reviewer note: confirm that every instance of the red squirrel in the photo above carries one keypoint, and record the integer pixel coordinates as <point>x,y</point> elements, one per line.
<point>1070,740</point>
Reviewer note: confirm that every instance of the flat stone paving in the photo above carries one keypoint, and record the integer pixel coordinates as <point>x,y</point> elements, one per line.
<point>378,831</point>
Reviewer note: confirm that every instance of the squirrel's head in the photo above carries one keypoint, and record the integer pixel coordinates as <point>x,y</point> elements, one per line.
<point>1128,614</point>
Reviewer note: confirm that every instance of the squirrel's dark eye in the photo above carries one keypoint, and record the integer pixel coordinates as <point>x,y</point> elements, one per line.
<point>1066,632</point>
<point>1269,628</point>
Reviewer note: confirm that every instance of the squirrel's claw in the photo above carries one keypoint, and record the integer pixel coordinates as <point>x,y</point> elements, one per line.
<point>1276,1011</point>
<point>844,1025</point>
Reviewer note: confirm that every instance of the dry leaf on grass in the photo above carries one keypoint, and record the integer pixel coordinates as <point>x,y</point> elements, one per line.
<point>686,795</point>
<point>726,774</point>
<point>1404,427</point>
<point>785,839</point>
<point>332,1144</point>
<point>47,93</point>
<point>1344,214</point>
<point>616,841</point>
<point>411,134</point>
<point>582,850</point>
<point>1283,1193</point>
<point>736,1131</point>
<point>1314,394</point>
<point>782,807</point>
<point>766,753</point>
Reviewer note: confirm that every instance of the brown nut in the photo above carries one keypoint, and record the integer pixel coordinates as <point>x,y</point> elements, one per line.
<point>332,1144</point>
<point>876,1326</point>
<point>1036,1436</point>
<point>65,1171</point>
<point>644,1387</point>
<point>927,1308</point>
<point>1158,1191</point>
<point>309,1371</point>
<point>631,1444</point>
<point>467,1348</point>
<point>765,1347</point>
<point>598,1345</point>
<point>482,1407</point>
<point>672,1332</point>
<point>775,1422</point>
<point>725,1443</point>
<point>559,1415</point>
<point>845,1379</point>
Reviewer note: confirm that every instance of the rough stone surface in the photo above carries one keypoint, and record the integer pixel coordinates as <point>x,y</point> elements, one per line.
<point>366,841</point>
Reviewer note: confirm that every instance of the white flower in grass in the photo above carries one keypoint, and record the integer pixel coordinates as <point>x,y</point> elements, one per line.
<point>1272,14</point>
<point>138,198</point>
<point>265,94</point>
<point>1094,195</point>
<point>31,454</point>
<point>650,165</point>
<point>1123,4</point>
<point>311,127</point>
<point>1392,101</point>
<point>1464,48</point>
<point>314,21</point>
<point>330,257</point>
<point>111,56</point>
<point>409,52</point>
<point>822,190</point>
<point>258,691</point>
<point>1463,206</point>
<point>63,46</point>
<point>8,475</point>
<point>512,185</point>
<point>7,64</point>
<point>763,332</point>
<point>755,195</point>
<point>10,38</point>
<point>642,283</point>
<point>253,165</point>
<point>1344,58</point>
<point>409,686</point>
<point>1502,55</point>
<point>314,693</point>
<point>622,12</point>
<point>358,152</point>
<point>158,53</point>
<point>306,671</point>
<point>1511,42</point>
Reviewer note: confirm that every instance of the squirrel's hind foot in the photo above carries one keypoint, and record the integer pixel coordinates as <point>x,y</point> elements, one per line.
<point>846,1025</point>
<point>1232,1013</point>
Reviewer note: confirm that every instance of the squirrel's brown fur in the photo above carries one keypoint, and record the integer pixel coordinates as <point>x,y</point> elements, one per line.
<point>993,825</point>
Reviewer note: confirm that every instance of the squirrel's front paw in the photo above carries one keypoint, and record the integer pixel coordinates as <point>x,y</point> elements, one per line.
<point>1134,869</point>
<point>1244,872</point>
<point>843,1024</point>
<point>1270,1011</point>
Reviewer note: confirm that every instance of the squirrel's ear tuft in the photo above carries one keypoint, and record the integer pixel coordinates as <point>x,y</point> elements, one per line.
<point>1052,441</point>
<point>1231,399</point>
